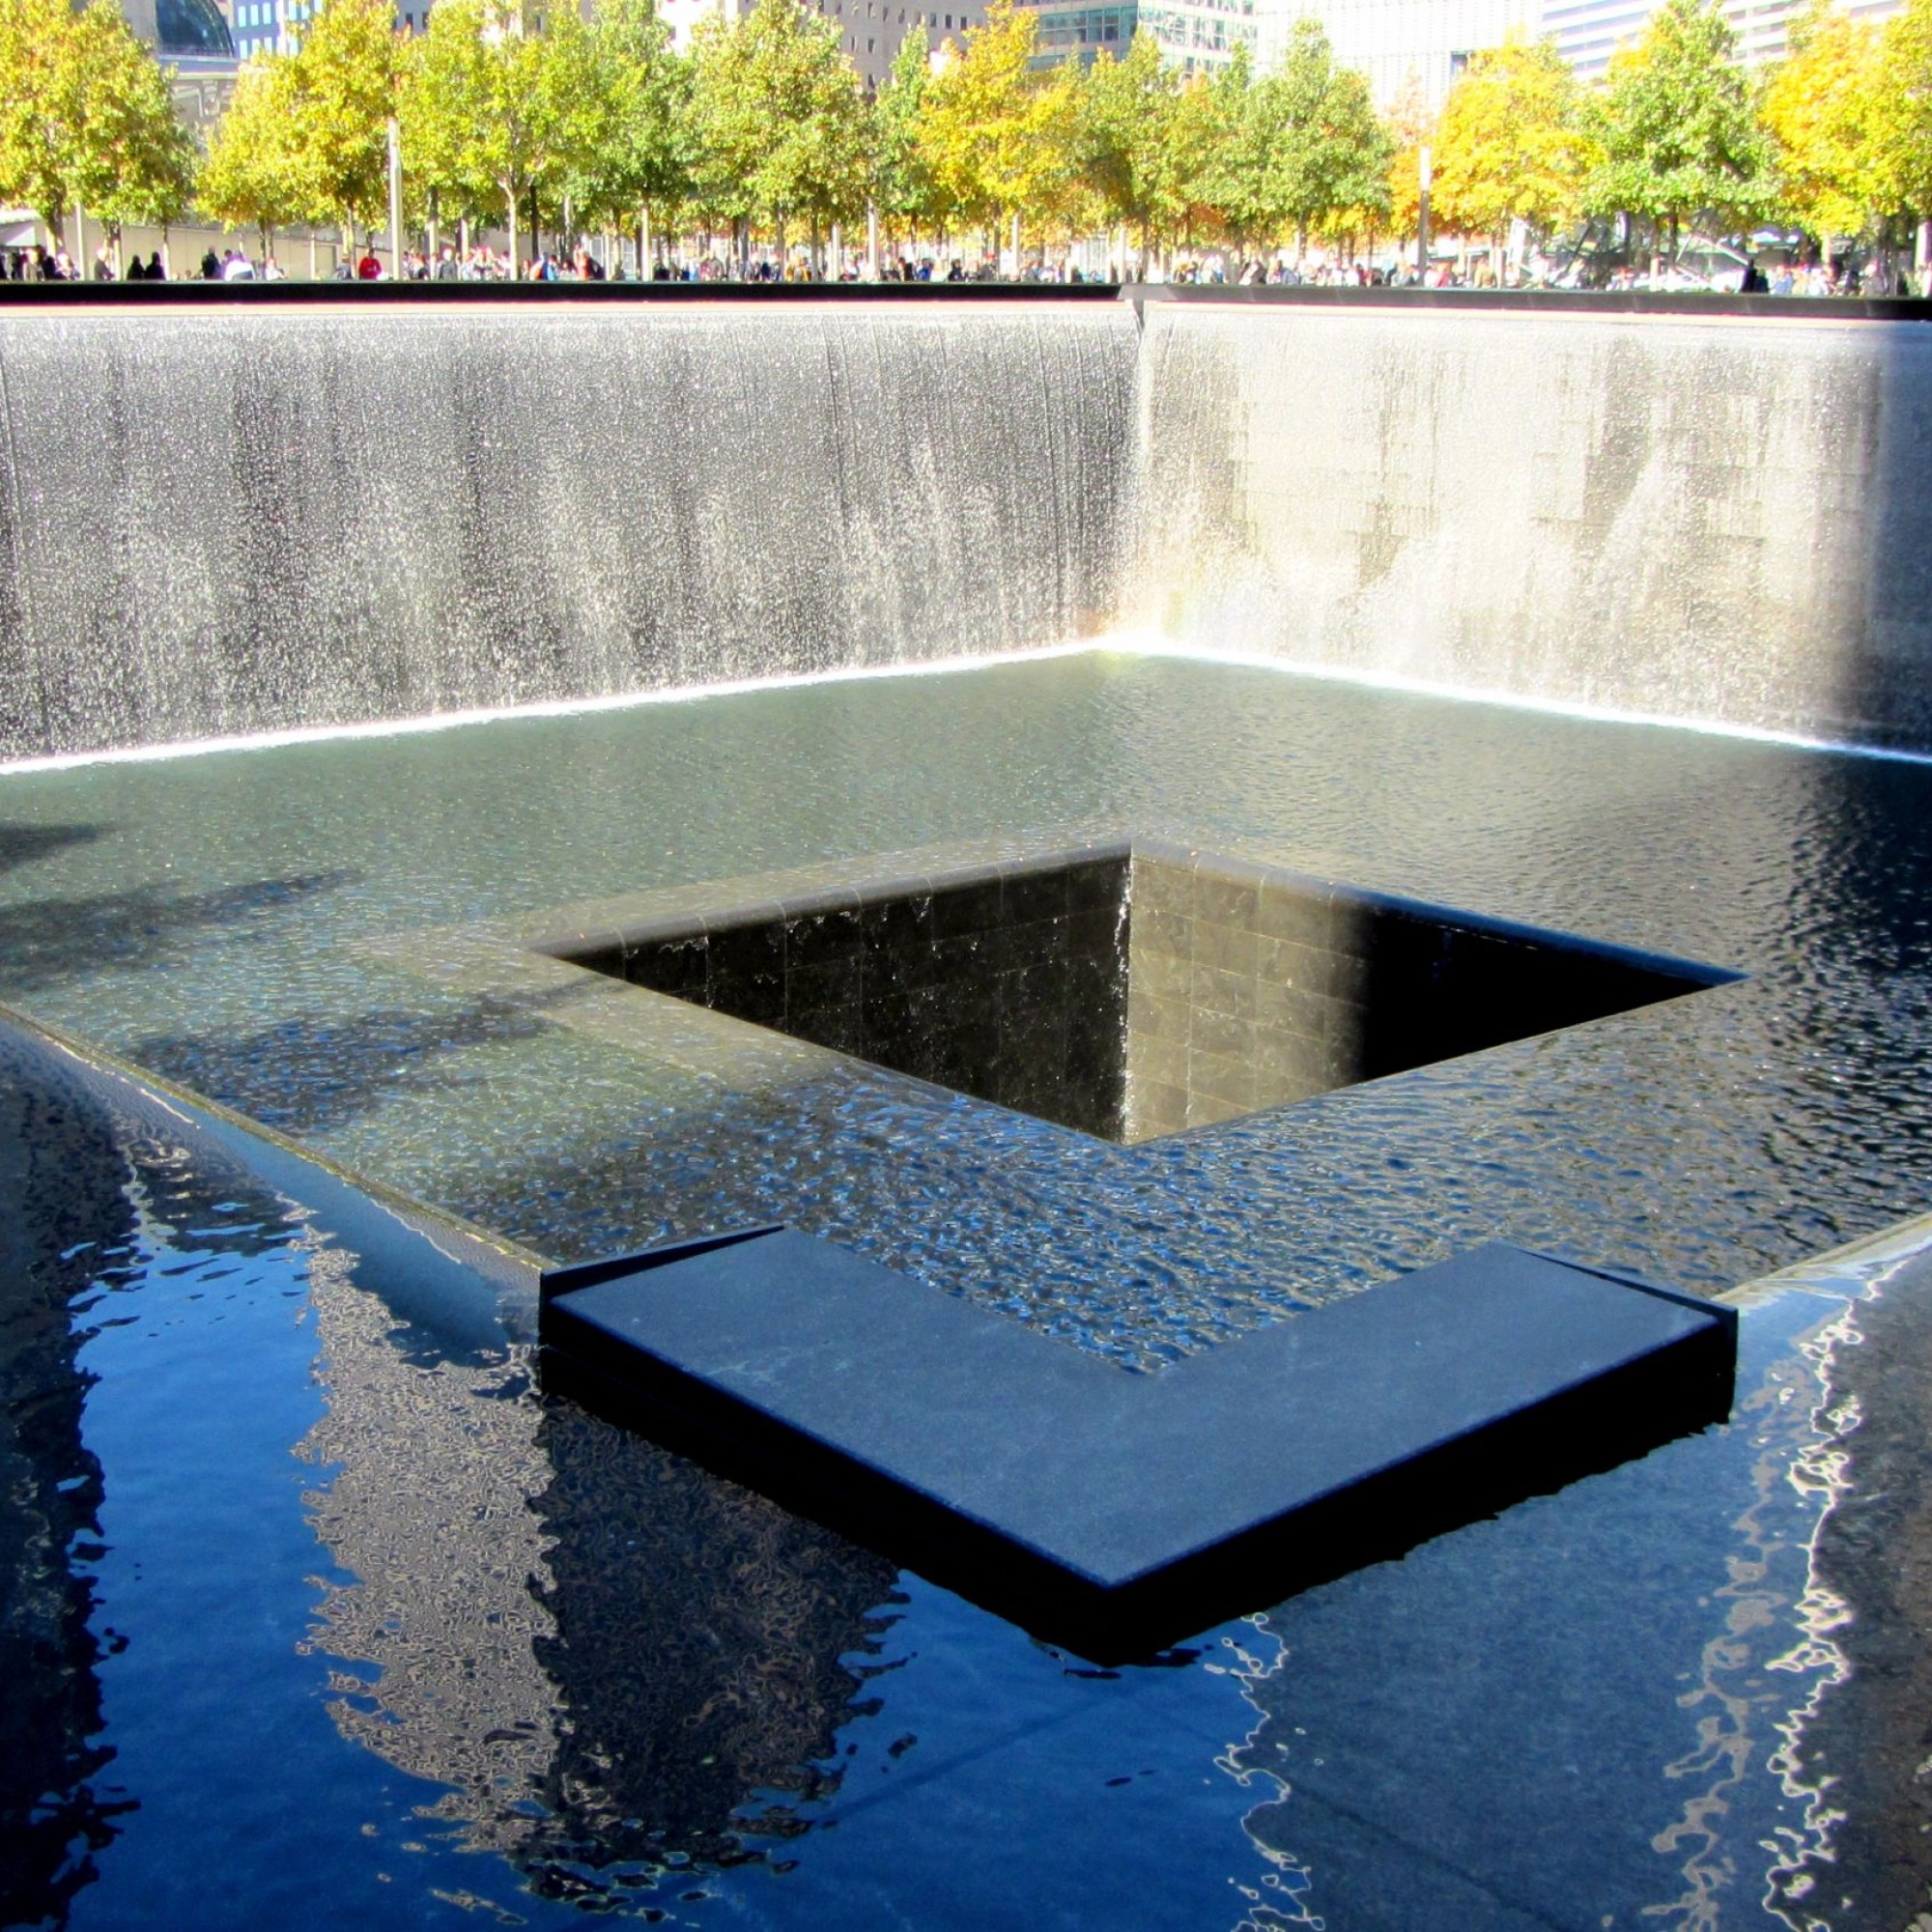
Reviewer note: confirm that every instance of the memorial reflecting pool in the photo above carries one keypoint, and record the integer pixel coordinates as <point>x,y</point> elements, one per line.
<point>320,1596</point>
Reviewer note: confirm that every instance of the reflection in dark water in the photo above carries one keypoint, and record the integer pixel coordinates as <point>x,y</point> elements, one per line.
<point>701,1651</point>
<point>20,844</point>
<point>613,1664</point>
<point>51,940</point>
<point>64,1216</point>
<point>308,1075</point>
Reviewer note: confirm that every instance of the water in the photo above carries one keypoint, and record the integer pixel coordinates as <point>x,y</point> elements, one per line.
<point>1716,519</point>
<point>241,521</point>
<point>333,1615</point>
<point>290,933</point>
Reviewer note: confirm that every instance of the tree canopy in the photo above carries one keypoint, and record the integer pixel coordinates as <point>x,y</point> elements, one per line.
<point>781,120</point>
<point>85,118</point>
<point>998,133</point>
<point>1823,107</point>
<point>1511,146</point>
<point>253,176</point>
<point>1675,129</point>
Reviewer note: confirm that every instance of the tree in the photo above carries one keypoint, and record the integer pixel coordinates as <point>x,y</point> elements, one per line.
<point>1000,136</point>
<point>342,81</point>
<point>86,117</point>
<point>1823,107</point>
<point>1511,146</point>
<point>1904,129</point>
<point>136,161</point>
<point>1677,135</point>
<point>39,108</point>
<point>1411,129</point>
<point>902,184</point>
<point>1227,132</point>
<point>781,122</point>
<point>1329,153</point>
<point>253,176</point>
<point>637,149</point>
<point>1127,154</point>
<point>493,109</point>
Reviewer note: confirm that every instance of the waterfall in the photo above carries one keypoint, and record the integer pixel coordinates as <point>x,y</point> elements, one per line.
<point>1711,517</point>
<point>236,520</point>
<point>241,518</point>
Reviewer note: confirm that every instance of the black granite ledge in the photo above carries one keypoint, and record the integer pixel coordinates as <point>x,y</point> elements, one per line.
<point>1111,1511</point>
<point>1544,302</point>
<point>83,297</point>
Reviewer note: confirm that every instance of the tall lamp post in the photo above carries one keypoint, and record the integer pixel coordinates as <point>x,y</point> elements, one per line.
<point>1422,183</point>
<point>395,202</point>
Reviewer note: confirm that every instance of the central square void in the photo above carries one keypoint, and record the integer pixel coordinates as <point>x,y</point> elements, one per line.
<point>1136,990</point>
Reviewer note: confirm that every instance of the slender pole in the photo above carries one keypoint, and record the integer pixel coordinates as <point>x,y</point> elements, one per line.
<point>1423,180</point>
<point>395,201</point>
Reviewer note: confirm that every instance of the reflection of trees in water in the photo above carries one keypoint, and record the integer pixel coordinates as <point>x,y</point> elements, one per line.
<point>85,1195</point>
<point>426,1507</point>
<point>601,1652</point>
<point>697,1637</point>
<point>64,1216</point>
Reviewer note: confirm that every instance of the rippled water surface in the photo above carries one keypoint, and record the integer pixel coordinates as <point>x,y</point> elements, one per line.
<point>201,918</point>
<point>316,1592</point>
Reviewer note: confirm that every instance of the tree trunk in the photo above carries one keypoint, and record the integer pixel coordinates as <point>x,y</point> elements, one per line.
<point>510,202</point>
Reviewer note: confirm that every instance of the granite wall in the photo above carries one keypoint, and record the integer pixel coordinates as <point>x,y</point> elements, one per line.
<point>234,518</point>
<point>1721,518</point>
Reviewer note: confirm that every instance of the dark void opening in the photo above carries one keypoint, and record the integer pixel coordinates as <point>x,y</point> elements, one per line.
<point>1135,992</point>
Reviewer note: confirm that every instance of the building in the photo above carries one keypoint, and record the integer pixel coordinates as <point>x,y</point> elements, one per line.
<point>872,31</point>
<point>1588,32</point>
<point>1391,41</point>
<point>275,27</point>
<point>1196,36</point>
<point>1388,40</point>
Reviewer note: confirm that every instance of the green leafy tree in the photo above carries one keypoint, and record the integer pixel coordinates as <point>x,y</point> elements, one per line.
<point>1000,136</point>
<point>136,162</point>
<point>1129,150</point>
<point>1904,128</point>
<point>636,148</point>
<point>86,117</point>
<point>1823,107</point>
<point>903,187</point>
<point>493,109</point>
<point>1226,130</point>
<point>342,81</point>
<point>41,108</point>
<point>782,125</point>
<point>1329,153</point>
<point>1678,138</point>
<point>253,176</point>
<point>1512,146</point>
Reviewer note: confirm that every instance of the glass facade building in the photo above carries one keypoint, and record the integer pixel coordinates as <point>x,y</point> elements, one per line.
<point>1588,32</point>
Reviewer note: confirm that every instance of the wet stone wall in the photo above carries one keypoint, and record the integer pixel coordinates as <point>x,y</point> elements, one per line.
<point>230,522</point>
<point>1721,520</point>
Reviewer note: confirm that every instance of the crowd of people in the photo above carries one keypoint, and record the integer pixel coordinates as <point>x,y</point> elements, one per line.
<point>483,262</point>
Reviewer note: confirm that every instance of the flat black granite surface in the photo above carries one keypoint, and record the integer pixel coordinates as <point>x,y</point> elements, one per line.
<point>1116,1511</point>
